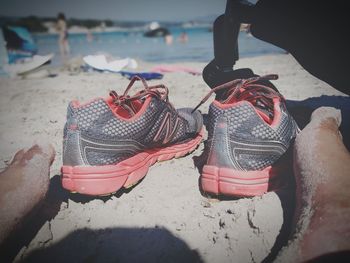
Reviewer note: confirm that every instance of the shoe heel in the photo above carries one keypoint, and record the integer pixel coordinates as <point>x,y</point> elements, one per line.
<point>210,179</point>
<point>216,180</point>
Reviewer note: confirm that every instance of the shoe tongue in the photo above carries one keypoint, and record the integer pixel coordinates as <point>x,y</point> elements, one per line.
<point>262,108</point>
<point>266,114</point>
<point>126,108</point>
<point>265,111</point>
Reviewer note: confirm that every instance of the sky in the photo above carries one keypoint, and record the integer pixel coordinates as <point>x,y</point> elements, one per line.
<point>123,10</point>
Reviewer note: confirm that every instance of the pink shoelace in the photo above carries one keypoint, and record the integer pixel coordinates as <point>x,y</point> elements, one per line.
<point>249,90</point>
<point>125,100</point>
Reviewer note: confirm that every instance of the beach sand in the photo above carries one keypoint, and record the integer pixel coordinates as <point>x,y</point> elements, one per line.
<point>164,218</point>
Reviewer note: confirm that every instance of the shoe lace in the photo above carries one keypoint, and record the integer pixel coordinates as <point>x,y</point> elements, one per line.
<point>159,91</point>
<point>249,90</point>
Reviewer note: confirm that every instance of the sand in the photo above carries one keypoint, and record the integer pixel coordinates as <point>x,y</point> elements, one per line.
<point>165,218</point>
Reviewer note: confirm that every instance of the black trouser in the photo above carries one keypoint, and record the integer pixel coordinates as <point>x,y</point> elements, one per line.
<point>314,32</point>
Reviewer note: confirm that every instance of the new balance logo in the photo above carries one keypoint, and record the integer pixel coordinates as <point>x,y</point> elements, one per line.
<point>168,128</point>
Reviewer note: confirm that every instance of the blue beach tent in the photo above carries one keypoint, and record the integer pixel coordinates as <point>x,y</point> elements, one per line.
<point>19,43</point>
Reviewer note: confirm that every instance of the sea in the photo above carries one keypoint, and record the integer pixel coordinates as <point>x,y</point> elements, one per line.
<point>131,43</point>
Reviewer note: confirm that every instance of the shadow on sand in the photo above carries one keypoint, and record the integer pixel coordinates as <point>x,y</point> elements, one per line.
<point>117,245</point>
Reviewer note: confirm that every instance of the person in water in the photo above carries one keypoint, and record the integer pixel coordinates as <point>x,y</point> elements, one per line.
<point>168,38</point>
<point>62,35</point>
<point>183,38</point>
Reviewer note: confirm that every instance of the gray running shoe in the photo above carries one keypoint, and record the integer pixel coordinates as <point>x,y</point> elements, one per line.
<point>248,132</point>
<point>110,143</point>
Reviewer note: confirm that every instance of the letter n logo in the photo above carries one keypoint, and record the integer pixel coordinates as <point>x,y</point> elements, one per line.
<point>168,128</point>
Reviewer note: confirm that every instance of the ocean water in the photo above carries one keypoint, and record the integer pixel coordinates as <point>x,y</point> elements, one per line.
<point>199,47</point>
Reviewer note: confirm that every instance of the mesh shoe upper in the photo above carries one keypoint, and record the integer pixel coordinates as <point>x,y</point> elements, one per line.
<point>253,144</point>
<point>95,134</point>
<point>243,133</point>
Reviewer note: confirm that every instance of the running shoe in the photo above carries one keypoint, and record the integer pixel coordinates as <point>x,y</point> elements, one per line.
<point>249,130</point>
<point>110,143</point>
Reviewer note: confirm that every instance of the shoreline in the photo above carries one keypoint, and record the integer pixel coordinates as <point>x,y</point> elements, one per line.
<point>79,30</point>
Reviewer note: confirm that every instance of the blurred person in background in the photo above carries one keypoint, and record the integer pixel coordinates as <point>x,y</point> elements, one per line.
<point>62,35</point>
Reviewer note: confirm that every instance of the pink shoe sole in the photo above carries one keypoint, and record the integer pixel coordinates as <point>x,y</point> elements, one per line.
<point>226,181</point>
<point>107,179</point>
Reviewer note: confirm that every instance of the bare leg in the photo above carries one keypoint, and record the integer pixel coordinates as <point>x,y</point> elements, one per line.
<point>322,170</point>
<point>66,47</point>
<point>62,49</point>
<point>23,185</point>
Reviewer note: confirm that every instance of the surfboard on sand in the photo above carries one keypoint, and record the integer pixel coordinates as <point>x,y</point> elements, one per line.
<point>18,52</point>
<point>27,65</point>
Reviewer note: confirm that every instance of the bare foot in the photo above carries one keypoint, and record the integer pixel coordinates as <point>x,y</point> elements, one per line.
<point>322,171</point>
<point>23,184</point>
